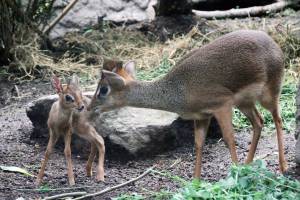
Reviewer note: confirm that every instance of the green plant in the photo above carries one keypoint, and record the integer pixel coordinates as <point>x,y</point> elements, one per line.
<point>44,188</point>
<point>249,182</point>
<point>133,196</point>
<point>244,182</point>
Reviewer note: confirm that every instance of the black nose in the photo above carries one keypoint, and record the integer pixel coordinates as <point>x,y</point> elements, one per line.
<point>81,108</point>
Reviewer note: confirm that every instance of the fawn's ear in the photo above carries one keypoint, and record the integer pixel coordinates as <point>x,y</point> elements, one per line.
<point>56,84</point>
<point>115,81</point>
<point>74,80</point>
<point>129,67</point>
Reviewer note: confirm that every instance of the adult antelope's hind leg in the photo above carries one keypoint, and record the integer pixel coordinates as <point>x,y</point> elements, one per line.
<point>200,129</point>
<point>257,123</point>
<point>272,104</point>
<point>278,123</point>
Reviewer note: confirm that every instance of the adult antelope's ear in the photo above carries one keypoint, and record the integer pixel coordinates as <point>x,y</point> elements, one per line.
<point>129,67</point>
<point>74,80</point>
<point>114,80</point>
<point>111,65</point>
<point>56,84</point>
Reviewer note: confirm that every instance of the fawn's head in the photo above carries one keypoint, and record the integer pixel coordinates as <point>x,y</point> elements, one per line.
<point>70,95</point>
<point>111,87</point>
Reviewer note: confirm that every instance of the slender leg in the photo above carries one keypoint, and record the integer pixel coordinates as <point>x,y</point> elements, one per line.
<point>278,123</point>
<point>257,123</point>
<point>67,152</point>
<point>101,149</point>
<point>224,118</point>
<point>52,140</point>
<point>91,160</point>
<point>200,129</point>
<point>90,134</point>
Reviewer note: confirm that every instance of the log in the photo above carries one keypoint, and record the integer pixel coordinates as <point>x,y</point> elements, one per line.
<point>243,12</point>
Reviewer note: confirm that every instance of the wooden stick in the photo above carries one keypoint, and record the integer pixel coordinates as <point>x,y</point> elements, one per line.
<point>71,194</point>
<point>59,17</point>
<point>116,186</point>
<point>243,12</point>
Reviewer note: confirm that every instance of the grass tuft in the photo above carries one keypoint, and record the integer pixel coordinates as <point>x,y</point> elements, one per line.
<point>249,182</point>
<point>244,182</point>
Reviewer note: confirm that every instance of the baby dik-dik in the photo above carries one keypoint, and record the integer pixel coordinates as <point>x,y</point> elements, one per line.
<point>69,115</point>
<point>236,70</point>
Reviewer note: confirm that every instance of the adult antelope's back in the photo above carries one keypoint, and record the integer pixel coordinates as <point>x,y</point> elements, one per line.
<point>236,70</point>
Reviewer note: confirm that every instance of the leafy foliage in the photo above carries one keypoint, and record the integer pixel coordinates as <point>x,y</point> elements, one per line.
<point>245,182</point>
<point>249,182</point>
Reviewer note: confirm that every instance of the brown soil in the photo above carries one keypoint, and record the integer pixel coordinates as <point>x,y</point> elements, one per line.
<point>17,149</point>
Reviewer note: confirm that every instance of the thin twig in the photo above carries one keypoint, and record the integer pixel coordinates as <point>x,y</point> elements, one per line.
<point>177,161</point>
<point>71,194</point>
<point>49,189</point>
<point>59,17</point>
<point>117,186</point>
<point>17,91</point>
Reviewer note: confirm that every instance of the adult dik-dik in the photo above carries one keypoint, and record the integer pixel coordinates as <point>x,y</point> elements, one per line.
<point>236,70</point>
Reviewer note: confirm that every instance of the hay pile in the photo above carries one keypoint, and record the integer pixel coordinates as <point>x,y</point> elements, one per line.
<point>83,52</point>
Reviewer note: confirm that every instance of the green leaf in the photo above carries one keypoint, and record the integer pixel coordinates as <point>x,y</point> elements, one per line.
<point>16,169</point>
<point>44,188</point>
<point>244,181</point>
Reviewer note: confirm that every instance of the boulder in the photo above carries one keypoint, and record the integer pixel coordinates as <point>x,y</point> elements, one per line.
<point>86,13</point>
<point>130,131</point>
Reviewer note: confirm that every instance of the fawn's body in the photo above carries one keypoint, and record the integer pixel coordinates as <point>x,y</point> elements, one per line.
<point>235,70</point>
<point>69,115</point>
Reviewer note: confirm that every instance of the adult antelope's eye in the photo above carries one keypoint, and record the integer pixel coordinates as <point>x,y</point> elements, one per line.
<point>103,90</point>
<point>69,98</point>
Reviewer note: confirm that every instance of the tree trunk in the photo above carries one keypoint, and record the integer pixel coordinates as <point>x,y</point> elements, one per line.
<point>6,32</point>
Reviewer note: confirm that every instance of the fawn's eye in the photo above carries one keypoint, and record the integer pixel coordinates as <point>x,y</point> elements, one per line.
<point>69,98</point>
<point>103,91</point>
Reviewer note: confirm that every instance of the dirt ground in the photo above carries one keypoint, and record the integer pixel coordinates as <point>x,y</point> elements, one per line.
<point>17,149</point>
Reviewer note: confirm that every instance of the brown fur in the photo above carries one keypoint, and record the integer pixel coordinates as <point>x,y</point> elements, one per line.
<point>236,70</point>
<point>64,120</point>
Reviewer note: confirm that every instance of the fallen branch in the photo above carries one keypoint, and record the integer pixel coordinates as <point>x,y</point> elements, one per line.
<point>117,186</point>
<point>49,189</point>
<point>244,12</point>
<point>59,17</point>
<point>71,194</point>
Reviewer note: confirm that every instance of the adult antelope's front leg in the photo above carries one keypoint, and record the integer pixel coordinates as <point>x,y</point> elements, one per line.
<point>224,118</point>
<point>200,129</point>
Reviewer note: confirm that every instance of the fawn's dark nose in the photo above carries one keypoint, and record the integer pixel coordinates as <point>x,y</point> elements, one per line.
<point>80,108</point>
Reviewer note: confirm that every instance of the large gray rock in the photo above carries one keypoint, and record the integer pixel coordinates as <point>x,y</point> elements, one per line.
<point>130,131</point>
<point>87,13</point>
